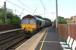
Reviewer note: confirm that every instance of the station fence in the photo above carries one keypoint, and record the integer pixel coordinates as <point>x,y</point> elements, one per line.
<point>66,30</point>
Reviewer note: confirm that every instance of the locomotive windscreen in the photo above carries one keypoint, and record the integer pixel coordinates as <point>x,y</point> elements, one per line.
<point>28,21</point>
<point>24,21</point>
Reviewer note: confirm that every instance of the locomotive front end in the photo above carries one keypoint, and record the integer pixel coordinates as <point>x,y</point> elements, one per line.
<point>28,24</point>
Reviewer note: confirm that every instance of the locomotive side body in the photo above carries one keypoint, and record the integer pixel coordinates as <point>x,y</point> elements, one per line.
<point>40,22</point>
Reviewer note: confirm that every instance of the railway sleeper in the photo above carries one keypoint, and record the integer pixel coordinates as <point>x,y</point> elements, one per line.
<point>11,43</point>
<point>7,35</point>
<point>9,39</point>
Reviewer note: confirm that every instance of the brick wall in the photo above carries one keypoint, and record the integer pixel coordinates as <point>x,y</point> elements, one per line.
<point>8,27</point>
<point>66,30</point>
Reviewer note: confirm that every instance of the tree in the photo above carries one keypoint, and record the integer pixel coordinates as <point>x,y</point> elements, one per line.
<point>15,20</point>
<point>11,17</point>
<point>1,16</point>
<point>61,20</point>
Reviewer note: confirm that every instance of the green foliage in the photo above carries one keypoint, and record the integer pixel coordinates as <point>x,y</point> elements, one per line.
<point>1,12</point>
<point>61,20</point>
<point>11,17</point>
<point>1,21</point>
<point>15,20</point>
<point>1,16</point>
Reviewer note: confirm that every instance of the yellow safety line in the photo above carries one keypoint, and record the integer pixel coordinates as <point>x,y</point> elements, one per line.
<point>43,41</point>
<point>50,41</point>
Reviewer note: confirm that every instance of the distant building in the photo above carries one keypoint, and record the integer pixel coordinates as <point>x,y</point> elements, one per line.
<point>72,20</point>
<point>68,20</point>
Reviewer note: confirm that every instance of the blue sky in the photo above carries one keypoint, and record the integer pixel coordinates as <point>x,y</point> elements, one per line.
<point>66,8</point>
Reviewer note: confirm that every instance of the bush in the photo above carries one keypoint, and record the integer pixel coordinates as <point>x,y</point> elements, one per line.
<point>61,20</point>
<point>11,18</point>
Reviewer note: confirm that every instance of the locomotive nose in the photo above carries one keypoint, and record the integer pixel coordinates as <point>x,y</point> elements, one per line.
<point>30,27</point>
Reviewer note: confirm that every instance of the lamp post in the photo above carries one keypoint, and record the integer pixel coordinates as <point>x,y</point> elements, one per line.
<point>56,14</point>
<point>5,12</point>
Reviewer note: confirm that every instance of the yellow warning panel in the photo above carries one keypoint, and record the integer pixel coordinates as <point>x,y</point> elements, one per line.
<point>29,27</point>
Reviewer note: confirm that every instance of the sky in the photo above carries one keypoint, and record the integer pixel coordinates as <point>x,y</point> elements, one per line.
<point>45,8</point>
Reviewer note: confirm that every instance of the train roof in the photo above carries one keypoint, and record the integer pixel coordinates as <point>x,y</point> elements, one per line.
<point>28,16</point>
<point>39,18</point>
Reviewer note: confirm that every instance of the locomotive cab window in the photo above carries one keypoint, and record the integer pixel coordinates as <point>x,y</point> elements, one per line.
<point>32,21</point>
<point>28,21</point>
<point>25,21</point>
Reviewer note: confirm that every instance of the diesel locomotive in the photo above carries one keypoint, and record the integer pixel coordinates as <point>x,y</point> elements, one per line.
<point>31,23</point>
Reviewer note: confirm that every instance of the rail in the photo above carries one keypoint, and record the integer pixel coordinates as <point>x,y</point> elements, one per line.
<point>2,32</point>
<point>10,38</point>
<point>34,40</point>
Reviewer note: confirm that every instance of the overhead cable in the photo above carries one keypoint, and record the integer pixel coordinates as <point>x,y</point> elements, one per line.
<point>24,5</point>
<point>18,6</point>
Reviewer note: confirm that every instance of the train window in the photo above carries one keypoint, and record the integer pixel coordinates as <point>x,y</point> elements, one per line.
<point>28,21</point>
<point>32,21</point>
<point>25,21</point>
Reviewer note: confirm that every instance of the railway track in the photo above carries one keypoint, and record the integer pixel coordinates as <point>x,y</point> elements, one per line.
<point>8,39</point>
